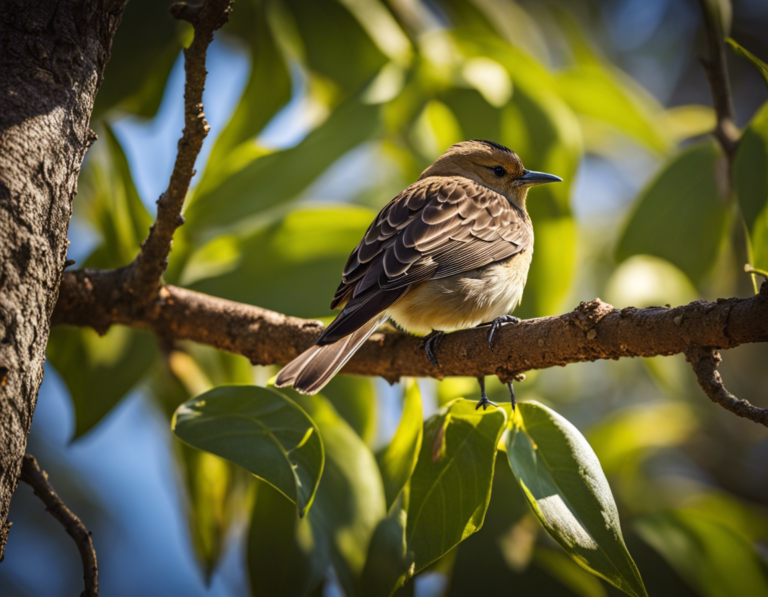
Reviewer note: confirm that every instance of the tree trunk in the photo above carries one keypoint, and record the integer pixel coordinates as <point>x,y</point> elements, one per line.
<point>52,58</point>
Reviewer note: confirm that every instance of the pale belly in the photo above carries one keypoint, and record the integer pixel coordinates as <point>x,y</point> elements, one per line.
<point>464,300</point>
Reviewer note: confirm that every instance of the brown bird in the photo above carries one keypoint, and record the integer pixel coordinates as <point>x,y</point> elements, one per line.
<point>450,252</point>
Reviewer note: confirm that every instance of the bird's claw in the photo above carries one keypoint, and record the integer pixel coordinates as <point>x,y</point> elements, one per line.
<point>485,403</point>
<point>497,323</point>
<point>512,398</point>
<point>430,343</point>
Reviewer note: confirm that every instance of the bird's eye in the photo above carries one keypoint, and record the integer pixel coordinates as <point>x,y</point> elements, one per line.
<point>499,171</point>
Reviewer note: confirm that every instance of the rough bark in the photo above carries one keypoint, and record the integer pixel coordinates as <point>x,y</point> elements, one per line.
<point>52,57</point>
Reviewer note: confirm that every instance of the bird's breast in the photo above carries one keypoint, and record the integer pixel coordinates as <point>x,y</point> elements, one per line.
<point>464,300</point>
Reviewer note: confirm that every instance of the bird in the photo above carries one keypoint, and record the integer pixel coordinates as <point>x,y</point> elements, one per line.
<point>450,252</point>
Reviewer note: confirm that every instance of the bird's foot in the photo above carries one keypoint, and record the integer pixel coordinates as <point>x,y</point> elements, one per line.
<point>484,402</point>
<point>496,324</point>
<point>430,343</point>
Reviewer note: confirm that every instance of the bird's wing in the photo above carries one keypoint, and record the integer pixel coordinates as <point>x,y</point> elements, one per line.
<point>435,228</point>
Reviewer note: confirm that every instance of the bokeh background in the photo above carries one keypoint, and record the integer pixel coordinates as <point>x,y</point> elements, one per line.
<point>321,111</point>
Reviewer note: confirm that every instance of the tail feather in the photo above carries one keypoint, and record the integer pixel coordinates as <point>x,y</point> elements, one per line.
<point>309,372</point>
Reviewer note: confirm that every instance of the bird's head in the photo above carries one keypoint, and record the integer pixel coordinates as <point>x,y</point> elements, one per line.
<point>491,165</point>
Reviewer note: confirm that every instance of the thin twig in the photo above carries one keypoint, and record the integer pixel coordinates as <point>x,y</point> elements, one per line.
<point>32,475</point>
<point>716,69</point>
<point>144,277</point>
<point>704,362</point>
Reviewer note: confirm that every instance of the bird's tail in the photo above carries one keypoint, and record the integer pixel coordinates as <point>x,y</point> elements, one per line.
<point>312,369</point>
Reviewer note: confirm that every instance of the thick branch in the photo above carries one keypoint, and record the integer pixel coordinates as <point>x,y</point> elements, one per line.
<point>145,273</point>
<point>704,362</point>
<point>38,480</point>
<point>592,331</point>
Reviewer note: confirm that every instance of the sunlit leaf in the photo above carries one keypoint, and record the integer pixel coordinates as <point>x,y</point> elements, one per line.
<point>280,176</point>
<point>321,24</point>
<point>260,430</point>
<point>305,250</point>
<point>144,49</point>
<point>567,490</point>
<point>751,181</point>
<point>255,108</point>
<point>99,370</point>
<point>398,460</point>
<point>451,485</point>
<point>354,398</point>
<point>681,203</point>
<point>640,429</point>
<point>691,120</point>
<point>710,557</point>
<point>761,66</point>
<point>607,95</point>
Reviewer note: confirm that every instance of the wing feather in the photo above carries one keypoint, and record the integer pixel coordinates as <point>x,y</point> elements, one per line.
<point>437,227</point>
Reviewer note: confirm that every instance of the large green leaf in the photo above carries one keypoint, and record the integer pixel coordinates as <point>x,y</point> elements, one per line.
<point>145,47</point>
<point>112,205</point>
<point>398,460</point>
<point>260,430</point>
<point>354,398</point>
<point>451,485</point>
<point>214,491</point>
<point>287,556</point>
<point>338,529</point>
<point>321,24</point>
<point>681,216</point>
<point>274,267</point>
<point>255,108</point>
<point>567,490</point>
<point>389,562</point>
<point>709,556</point>
<point>279,177</point>
<point>751,180</point>
<point>99,370</point>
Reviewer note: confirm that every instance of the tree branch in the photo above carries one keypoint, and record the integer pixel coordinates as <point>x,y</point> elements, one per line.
<point>144,275</point>
<point>32,475</point>
<point>704,362</point>
<point>715,67</point>
<point>591,332</point>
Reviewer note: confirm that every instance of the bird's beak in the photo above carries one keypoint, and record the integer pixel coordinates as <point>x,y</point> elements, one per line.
<point>531,178</point>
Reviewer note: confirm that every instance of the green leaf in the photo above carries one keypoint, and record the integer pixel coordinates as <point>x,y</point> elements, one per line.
<point>709,556</point>
<point>145,47</point>
<point>603,94</point>
<point>255,108</point>
<point>99,370</point>
<point>287,556</point>
<point>451,485</point>
<point>354,398</point>
<point>751,180</point>
<point>761,66</point>
<point>389,562</point>
<point>349,503</point>
<point>279,177</point>
<point>680,204</point>
<point>398,460</point>
<point>321,24</point>
<point>567,490</point>
<point>112,205</point>
<point>306,249</point>
<point>260,430</point>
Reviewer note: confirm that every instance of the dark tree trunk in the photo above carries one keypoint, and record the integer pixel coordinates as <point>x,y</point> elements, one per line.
<point>52,57</point>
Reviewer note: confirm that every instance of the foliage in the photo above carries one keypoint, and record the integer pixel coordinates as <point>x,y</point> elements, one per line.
<point>326,490</point>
